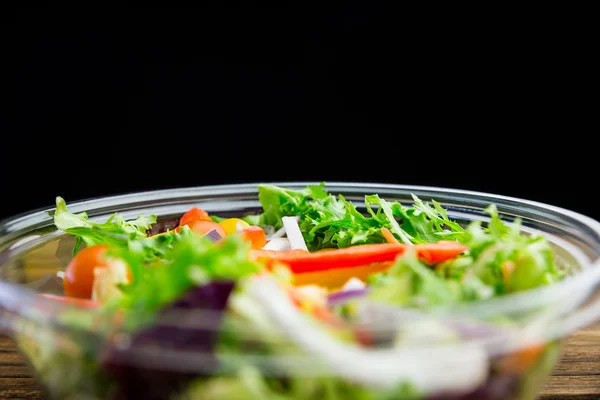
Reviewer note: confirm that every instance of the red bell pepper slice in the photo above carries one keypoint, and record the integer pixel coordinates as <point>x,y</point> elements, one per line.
<point>300,261</point>
<point>440,251</point>
<point>76,301</point>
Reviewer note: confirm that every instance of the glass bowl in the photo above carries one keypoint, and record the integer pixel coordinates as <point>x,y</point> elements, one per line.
<point>71,362</point>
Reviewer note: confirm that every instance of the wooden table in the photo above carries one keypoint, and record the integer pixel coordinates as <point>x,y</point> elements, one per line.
<point>576,376</point>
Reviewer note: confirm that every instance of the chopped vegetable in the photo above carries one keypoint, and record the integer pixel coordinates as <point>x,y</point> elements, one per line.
<point>75,301</point>
<point>194,214</point>
<point>108,280</point>
<point>327,221</point>
<point>354,283</point>
<point>98,233</point>
<point>195,336</point>
<point>388,235</point>
<point>213,235</point>
<point>335,278</point>
<point>255,235</point>
<point>78,279</point>
<point>202,226</point>
<point>520,361</point>
<point>232,225</point>
<point>278,244</point>
<point>301,261</point>
<point>293,233</point>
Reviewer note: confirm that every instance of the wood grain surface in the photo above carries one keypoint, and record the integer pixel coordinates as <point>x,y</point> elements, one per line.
<point>576,376</point>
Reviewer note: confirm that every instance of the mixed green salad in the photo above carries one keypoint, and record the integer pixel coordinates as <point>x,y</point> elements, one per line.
<point>311,297</point>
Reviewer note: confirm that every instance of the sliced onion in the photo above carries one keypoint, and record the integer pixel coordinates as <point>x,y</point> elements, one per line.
<point>279,232</point>
<point>354,283</point>
<point>214,235</point>
<point>279,244</point>
<point>293,233</point>
<point>385,320</point>
<point>433,370</point>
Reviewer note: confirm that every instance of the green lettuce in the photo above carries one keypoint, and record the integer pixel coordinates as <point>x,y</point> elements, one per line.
<point>501,259</point>
<point>91,233</point>
<point>329,221</point>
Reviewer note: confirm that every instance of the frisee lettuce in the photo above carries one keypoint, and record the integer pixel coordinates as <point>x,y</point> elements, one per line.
<point>329,221</point>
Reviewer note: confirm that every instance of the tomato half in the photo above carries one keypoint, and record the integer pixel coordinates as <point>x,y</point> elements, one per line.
<point>194,214</point>
<point>79,274</point>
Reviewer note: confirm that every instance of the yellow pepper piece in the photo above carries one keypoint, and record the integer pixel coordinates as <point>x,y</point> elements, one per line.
<point>232,225</point>
<point>337,277</point>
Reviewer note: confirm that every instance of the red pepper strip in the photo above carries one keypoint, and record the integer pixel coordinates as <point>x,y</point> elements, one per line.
<point>76,301</point>
<point>301,261</point>
<point>439,251</point>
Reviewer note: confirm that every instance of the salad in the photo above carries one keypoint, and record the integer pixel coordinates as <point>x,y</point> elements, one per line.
<point>308,298</point>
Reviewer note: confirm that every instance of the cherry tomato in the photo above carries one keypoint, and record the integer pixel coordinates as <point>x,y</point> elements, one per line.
<point>255,235</point>
<point>79,274</point>
<point>232,225</point>
<point>194,214</point>
<point>204,226</point>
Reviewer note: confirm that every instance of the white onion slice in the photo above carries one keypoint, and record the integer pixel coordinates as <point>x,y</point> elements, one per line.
<point>353,284</point>
<point>293,233</point>
<point>279,244</point>
<point>279,232</point>
<point>456,368</point>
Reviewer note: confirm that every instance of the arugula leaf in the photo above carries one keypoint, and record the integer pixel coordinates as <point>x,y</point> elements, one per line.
<point>436,214</point>
<point>388,210</point>
<point>328,221</point>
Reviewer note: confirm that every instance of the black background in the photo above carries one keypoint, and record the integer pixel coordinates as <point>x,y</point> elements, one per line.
<point>117,101</point>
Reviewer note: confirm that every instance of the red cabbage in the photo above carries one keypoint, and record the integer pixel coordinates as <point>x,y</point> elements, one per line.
<point>343,296</point>
<point>213,234</point>
<point>141,373</point>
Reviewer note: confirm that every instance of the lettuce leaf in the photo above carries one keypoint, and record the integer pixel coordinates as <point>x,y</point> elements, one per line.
<point>412,283</point>
<point>91,233</point>
<point>499,246</point>
<point>501,259</point>
<point>191,261</point>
